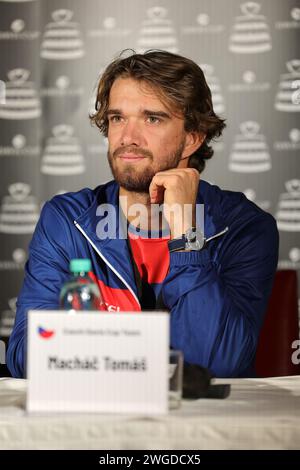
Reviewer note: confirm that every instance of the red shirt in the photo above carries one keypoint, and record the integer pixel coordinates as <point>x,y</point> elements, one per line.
<point>151,256</point>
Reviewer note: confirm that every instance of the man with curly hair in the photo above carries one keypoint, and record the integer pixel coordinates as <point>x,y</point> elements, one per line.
<point>206,255</point>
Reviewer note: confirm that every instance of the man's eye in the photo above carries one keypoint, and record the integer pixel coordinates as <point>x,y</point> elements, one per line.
<point>115,118</point>
<point>153,119</point>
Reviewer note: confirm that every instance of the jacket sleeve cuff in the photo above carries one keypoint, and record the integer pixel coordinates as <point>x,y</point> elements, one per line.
<point>181,258</point>
<point>188,270</point>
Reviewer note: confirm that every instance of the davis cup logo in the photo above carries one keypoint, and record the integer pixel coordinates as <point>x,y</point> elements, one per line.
<point>288,95</point>
<point>157,32</point>
<point>22,100</point>
<point>250,32</point>
<point>63,153</point>
<point>288,213</point>
<point>250,153</point>
<point>62,38</point>
<point>19,211</point>
<point>45,334</point>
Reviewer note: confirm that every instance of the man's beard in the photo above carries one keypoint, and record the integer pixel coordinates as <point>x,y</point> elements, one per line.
<point>131,179</point>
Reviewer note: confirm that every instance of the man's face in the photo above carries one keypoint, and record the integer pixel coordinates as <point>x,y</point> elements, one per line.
<point>144,136</point>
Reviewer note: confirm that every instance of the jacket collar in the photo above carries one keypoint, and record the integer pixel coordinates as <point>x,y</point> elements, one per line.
<point>114,251</point>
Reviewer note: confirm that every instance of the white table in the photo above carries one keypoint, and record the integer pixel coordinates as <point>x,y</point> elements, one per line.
<point>259,414</point>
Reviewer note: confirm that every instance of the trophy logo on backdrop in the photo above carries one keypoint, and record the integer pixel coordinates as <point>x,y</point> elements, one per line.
<point>22,98</point>
<point>215,88</point>
<point>250,153</point>
<point>62,38</point>
<point>288,212</point>
<point>251,33</point>
<point>19,211</point>
<point>63,153</point>
<point>157,32</point>
<point>288,95</point>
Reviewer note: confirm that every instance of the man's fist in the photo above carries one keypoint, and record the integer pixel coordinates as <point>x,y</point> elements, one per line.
<point>177,190</point>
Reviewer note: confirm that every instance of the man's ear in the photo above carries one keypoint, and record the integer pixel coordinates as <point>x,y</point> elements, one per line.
<point>193,140</point>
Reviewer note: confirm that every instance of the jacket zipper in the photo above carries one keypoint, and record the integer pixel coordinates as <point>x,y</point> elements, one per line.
<point>107,262</point>
<point>217,234</point>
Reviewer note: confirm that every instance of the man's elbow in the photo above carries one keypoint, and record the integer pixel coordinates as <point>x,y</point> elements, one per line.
<point>236,363</point>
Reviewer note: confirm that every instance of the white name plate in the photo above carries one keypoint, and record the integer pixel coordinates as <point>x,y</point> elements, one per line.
<point>98,362</point>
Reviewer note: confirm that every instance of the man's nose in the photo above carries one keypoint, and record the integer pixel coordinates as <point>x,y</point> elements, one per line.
<point>132,134</point>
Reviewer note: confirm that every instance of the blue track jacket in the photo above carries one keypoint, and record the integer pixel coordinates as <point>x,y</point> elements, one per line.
<point>217,297</point>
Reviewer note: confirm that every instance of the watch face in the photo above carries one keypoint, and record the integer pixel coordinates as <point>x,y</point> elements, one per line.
<point>194,239</point>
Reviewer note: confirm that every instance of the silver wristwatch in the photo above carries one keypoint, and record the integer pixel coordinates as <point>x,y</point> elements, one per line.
<point>192,240</point>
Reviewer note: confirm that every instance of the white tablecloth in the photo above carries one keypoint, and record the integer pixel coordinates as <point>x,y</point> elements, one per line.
<point>259,414</point>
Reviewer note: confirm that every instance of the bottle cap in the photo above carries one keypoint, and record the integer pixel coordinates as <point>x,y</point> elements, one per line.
<point>80,265</point>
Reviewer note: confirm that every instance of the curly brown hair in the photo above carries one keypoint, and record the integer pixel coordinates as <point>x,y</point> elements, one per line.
<point>179,82</point>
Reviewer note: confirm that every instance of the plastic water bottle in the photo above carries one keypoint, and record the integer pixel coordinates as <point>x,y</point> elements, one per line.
<point>80,292</point>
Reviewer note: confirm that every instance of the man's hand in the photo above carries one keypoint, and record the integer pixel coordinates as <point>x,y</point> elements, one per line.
<point>177,190</point>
